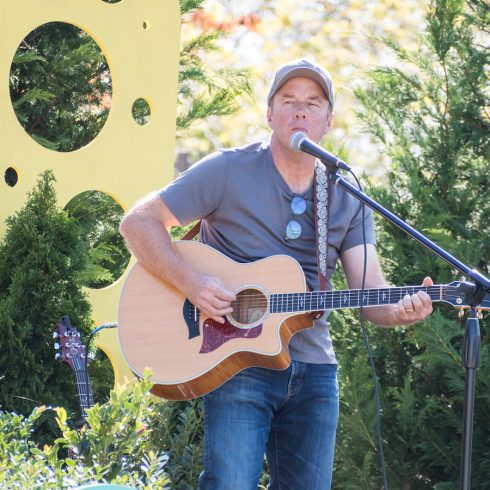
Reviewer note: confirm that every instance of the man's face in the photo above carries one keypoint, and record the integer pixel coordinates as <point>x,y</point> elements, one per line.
<point>299,105</point>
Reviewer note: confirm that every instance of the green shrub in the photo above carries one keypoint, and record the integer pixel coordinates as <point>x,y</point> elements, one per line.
<point>114,448</point>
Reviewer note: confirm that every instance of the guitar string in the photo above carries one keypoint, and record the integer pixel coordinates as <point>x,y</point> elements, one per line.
<point>86,399</point>
<point>394,294</point>
<point>300,304</point>
<point>371,292</point>
<point>415,288</point>
<point>327,304</point>
<point>82,385</point>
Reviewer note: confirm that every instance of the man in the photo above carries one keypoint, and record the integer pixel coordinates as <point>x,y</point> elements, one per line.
<point>255,202</point>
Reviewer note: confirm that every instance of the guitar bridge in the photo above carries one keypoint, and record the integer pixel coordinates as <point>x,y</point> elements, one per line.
<point>191,317</point>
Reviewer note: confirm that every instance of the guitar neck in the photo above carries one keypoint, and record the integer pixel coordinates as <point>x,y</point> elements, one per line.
<point>349,298</point>
<point>84,390</point>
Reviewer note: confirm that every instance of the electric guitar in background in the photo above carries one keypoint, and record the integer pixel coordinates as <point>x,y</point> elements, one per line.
<point>72,352</point>
<point>190,355</point>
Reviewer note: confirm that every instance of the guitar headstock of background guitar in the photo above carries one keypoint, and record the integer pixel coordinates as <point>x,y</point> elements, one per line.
<point>69,346</point>
<point>72,352</point>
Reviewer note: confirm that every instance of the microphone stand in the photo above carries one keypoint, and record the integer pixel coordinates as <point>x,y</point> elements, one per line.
<point>474,295</point>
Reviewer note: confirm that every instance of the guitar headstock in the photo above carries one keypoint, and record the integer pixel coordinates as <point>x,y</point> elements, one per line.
<point>69,346</point>
<point>455,293</point>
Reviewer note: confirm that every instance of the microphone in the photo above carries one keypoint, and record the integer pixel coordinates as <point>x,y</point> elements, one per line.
<point>300,142</point>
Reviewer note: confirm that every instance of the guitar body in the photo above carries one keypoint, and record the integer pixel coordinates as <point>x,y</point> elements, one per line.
<point>189,355</point>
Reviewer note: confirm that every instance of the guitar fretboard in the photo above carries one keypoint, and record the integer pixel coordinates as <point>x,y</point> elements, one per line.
<point>84,389</point>
<point>349,298</point>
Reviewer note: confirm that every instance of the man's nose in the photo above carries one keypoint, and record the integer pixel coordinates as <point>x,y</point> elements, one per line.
<point>300,113</point>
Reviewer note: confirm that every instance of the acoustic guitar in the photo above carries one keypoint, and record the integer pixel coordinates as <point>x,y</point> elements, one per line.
<point>190,355</point>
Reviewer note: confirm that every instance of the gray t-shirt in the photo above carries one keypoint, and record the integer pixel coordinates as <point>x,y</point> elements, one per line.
<point>246,204</point>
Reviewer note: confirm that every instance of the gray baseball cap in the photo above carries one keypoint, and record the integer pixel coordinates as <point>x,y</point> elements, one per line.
<point>302,68</point>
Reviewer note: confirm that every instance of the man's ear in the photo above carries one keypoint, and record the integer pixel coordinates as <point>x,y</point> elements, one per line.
<point>269,115</point>
<point>329,121</point>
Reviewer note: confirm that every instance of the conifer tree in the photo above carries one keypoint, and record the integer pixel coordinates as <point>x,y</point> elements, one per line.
<point>204,92</point>
<point>41,257</point>
<point>430,114</point>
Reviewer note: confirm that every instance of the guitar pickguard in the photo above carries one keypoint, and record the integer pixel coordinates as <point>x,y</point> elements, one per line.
<point>216,334</point>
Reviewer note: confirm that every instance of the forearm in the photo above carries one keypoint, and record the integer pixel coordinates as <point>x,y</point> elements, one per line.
<point>150,242</point>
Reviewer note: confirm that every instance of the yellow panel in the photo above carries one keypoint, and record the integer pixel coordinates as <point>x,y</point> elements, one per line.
<point>126,160</point>
<point>107,341</point>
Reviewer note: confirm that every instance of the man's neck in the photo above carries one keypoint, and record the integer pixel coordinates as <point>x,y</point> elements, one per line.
<point>296,168</point>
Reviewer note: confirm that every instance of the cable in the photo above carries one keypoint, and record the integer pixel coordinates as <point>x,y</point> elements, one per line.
<point>368,347</point>
<point>87,345</point>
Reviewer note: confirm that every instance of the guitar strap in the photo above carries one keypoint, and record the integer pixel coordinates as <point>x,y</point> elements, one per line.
<point>321,191</point>
<point>190,234</point>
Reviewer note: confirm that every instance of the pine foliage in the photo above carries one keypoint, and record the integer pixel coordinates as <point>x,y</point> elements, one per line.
<point>430,114</point>
<point>202,91</point>
<point>58,81</point>
<point>98,215</point>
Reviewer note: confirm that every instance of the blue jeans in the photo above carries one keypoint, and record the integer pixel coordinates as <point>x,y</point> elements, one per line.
<point>290,415</point>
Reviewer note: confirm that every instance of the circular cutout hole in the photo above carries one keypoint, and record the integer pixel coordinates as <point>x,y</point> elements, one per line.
<point>141,111</point>
<point>146,25</point>
<point>11,177</point>
<point>99,215</point>
<point>60,86</point>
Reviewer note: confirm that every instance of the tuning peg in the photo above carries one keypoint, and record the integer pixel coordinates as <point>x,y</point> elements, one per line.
<point>462,279</point>
<point>56,345</point>
<point>55,334</point>
<point>57,355</point>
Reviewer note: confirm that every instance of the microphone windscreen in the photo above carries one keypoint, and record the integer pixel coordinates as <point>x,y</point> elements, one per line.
<point>296,139</point>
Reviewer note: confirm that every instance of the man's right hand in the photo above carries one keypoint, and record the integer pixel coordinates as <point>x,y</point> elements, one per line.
<point>210,295</point>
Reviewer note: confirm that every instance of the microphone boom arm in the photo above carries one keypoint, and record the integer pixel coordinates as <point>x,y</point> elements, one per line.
<point>477,277</point>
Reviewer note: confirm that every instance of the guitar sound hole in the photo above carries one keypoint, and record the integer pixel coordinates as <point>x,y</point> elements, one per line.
<point>249,309</point>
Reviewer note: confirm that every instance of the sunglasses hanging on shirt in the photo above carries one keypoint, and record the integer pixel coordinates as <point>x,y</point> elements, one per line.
<point>293,228</point>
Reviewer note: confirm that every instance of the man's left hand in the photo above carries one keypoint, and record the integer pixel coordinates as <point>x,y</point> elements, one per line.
<point>416,307</point>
